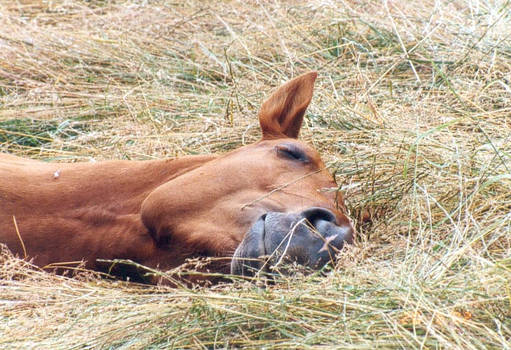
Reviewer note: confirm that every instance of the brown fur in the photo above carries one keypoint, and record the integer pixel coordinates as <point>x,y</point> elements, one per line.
<point>161,212</point>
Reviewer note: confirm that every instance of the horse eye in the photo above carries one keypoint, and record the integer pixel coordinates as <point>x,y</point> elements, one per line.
<point>291,152</point>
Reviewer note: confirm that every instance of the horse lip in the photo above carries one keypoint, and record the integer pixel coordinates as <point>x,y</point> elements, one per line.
<point>243,251</point>
<point>261,231</point>
<point>263,235</point>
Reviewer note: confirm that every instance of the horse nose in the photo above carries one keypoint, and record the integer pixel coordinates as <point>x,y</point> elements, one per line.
<point>320,218</point>
<point>315,214</point>
<point>310,238</point>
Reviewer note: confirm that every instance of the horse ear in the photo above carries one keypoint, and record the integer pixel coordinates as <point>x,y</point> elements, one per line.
<point>281,115</point>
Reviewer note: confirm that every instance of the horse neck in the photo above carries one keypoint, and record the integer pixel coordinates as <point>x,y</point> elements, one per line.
<point>125,184</point>
<point>118,187</point>
<point>85,207</point>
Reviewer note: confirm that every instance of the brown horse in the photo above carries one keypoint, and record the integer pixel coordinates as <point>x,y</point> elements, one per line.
<point>264,199</point>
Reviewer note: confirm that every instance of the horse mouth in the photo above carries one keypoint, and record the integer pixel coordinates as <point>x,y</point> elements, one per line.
<point>311,238</point>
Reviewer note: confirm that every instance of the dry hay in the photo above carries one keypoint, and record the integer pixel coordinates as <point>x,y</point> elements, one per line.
<point>412,111</point>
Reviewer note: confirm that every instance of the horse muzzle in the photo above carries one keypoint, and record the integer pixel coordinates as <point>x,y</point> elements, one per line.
<point>311,238</point>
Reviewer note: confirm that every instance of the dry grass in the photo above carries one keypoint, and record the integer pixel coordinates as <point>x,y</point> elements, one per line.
<point>412,110</point>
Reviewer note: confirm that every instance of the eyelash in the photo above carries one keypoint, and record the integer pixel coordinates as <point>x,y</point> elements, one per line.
<point>292,153</point>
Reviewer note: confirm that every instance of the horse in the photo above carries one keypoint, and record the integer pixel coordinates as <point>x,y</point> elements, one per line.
<point>254,206</point>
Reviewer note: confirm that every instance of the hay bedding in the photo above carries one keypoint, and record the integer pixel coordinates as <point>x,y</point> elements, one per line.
<point>412,112</point>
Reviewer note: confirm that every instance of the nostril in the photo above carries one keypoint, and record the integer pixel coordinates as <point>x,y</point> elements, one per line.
<point>315,214</point>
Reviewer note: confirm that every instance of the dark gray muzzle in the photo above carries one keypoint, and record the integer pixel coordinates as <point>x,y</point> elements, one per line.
<point>310,238</point>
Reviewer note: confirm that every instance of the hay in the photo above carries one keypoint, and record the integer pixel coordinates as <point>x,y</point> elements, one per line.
<point>411,110</point>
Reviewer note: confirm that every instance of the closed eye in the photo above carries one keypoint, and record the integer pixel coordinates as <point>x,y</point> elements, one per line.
<point>292,152</point>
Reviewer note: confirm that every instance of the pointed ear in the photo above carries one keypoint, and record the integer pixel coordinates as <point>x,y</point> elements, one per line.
<point>282,113</point>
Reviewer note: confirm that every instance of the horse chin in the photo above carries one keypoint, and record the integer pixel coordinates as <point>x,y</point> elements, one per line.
<point>246,260</point>
<point>310,239</point>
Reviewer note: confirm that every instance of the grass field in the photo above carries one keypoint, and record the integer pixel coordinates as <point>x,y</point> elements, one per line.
<point>412,111</point>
